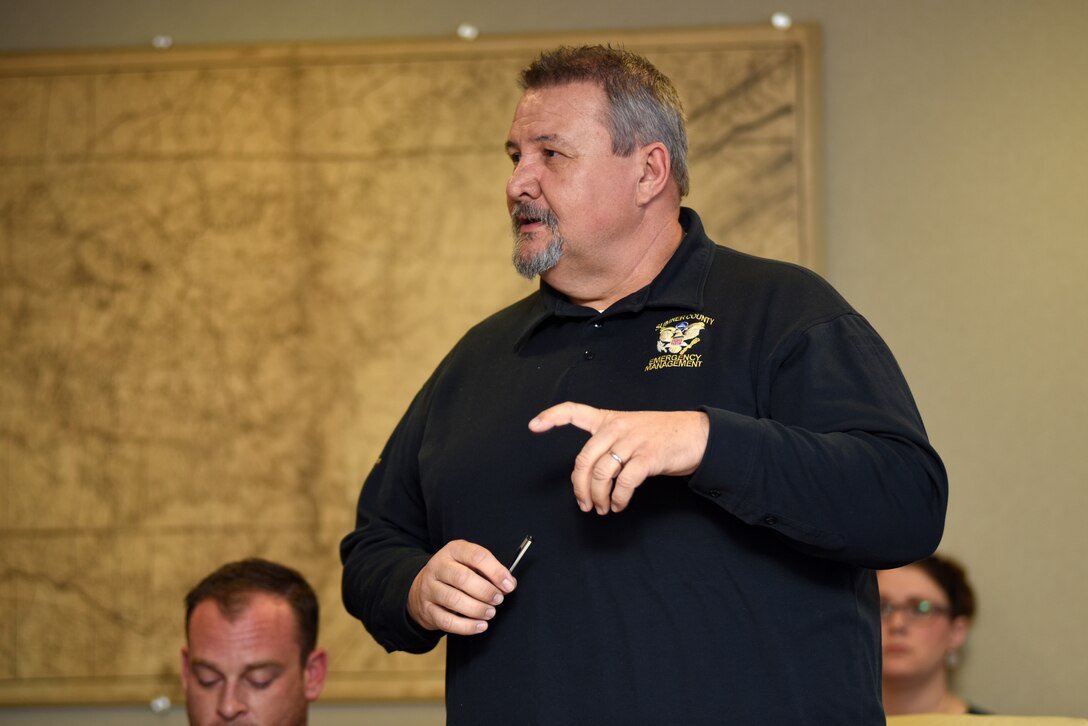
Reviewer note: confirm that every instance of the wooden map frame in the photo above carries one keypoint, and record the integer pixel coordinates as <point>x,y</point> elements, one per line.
<point>71,437</point>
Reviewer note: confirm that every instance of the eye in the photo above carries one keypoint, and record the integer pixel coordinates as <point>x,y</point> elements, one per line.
<point>550,153</point>
<point>515,158</point>
<point>261,678</point>
<point>206,677</point>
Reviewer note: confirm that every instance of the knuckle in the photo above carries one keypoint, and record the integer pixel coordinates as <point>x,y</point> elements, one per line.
<point>635,476</point>
<point>582,461</point>
<point>602,494</point>
<point>446,621</point>
<point>431,613</point>
<point>602,470</point>
<point>461,578</point>
<point>445,597</point>
<point>477,556</point>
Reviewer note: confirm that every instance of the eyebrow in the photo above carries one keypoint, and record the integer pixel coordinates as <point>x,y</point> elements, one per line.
<point>197,663</point>
<point>541,139</point>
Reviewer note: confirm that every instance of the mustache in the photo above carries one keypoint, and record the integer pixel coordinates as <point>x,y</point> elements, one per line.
<point>523,212</point>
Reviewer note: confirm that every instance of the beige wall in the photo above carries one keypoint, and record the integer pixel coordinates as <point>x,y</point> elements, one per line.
<point>956,181</point>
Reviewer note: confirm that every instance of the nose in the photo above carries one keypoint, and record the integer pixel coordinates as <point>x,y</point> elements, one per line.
<point>896,620</point>
<point>230,705</point>
<point>524,183</point>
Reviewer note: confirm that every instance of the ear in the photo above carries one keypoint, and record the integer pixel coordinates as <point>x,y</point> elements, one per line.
<point>185,668</point>
<point>317,667</point>
<point>960,627</point>
<point>656,172</point>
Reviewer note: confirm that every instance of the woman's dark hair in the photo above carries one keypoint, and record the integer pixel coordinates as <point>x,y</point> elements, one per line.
<point>952,578</point>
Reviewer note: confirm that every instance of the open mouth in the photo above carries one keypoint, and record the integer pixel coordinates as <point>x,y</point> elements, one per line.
<point>527,218</point>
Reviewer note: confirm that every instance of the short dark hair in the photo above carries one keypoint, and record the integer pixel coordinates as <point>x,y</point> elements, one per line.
<point>952,578</point>
<point>645,106</point>
<point>233,584</point>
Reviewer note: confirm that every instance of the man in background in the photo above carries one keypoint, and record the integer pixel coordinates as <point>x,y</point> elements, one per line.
<point>741,447</point>
<point>251,654</point>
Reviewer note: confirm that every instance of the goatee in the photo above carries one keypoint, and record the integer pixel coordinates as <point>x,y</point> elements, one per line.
<point>529,264</point>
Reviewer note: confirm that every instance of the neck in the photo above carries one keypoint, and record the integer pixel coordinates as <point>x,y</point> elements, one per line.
<point>614,274</point>
<point>929,695</point>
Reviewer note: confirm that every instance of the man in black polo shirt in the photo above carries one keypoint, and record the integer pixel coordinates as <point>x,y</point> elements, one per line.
<point>742,446</point>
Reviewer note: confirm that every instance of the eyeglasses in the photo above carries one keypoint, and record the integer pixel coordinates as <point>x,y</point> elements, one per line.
<point>913,610</point>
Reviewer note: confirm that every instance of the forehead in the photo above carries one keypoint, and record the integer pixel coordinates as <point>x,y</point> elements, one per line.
<point>909,582</point>
<point>572,110</point>
<point>264,631</point>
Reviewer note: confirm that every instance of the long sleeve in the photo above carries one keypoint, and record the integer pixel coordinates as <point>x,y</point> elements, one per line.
<point>838,460</point>
<point>390,543</point>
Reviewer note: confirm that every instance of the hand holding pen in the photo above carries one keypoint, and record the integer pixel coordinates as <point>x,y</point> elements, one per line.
<point>460,587</point>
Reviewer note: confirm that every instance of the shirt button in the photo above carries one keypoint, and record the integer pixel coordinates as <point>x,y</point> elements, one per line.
<point>714,493</point>
<point>770,521</point>
<point>588,355</point>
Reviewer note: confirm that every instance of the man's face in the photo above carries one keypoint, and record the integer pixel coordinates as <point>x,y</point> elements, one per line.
<point>248,671</point>
<point>570,197</point>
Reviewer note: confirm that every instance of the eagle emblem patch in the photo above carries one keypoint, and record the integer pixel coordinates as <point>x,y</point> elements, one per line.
<point>675,338</point>
<point>680,337</point>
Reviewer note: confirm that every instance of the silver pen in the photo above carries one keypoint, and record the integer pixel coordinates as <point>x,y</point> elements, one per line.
<point>522,549</point>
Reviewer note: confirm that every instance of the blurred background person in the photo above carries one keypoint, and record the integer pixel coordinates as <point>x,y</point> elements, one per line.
<point>251,655</point>
<point>925,616</point>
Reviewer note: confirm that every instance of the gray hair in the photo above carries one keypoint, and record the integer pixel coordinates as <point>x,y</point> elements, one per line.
<point>645,106</point>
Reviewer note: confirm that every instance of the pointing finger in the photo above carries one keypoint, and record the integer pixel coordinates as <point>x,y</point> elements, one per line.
<point>584,417</point>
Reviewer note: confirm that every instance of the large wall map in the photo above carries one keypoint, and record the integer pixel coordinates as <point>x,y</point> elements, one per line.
<point>225,272</point>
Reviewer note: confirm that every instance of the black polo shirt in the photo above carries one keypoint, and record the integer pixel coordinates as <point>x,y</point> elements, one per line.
<point>741,594</point>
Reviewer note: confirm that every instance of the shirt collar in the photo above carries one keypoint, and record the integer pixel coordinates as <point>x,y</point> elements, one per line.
<point>680,284</point>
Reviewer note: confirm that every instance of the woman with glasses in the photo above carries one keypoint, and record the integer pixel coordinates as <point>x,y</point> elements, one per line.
<point>925,614</point>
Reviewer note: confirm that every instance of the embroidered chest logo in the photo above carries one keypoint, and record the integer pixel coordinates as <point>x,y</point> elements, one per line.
<point>675,338</point>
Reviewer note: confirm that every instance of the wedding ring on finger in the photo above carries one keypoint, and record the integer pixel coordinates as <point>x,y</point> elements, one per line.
<point>616,456</point>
